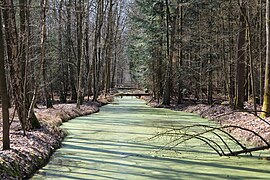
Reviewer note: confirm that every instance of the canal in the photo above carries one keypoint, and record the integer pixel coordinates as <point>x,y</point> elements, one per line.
<point>115,144</point>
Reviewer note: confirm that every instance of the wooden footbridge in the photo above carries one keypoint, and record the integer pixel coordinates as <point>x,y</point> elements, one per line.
<point>133,94</point>
<point>130,91</point>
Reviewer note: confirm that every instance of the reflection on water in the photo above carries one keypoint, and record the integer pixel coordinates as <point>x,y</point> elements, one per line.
<point>114,144</point>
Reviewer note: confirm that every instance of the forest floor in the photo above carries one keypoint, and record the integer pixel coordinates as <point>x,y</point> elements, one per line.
<point>31,152</point>
<point>225,115</point>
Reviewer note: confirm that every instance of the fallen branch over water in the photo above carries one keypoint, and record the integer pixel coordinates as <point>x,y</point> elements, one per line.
<point>217,138</point>
<point>249,150</point>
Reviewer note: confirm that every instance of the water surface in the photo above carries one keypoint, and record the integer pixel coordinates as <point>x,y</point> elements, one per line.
<point>114,144</point>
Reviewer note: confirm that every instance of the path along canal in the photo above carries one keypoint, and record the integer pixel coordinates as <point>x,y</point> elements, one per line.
<point>114,144</point>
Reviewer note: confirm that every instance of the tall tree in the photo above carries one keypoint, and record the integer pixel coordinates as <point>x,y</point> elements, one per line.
<point>70,58</point>
<point>261,52</point>
<point>266,101</point>
<point>230,56</point>
<point>80,48</point>
<point>241,57</point>
<point>109,45</point>
<point>3,91</point>
<point>97,49</point>
<point>168,77</point>
<point>63,65</point>
<point>47,96</point>
<point>17,63</point>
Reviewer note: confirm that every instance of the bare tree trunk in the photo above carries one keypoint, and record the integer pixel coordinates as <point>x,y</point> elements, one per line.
<point>22,51</point>
<point>79,52</point>
<point>12,51</point>
<point>28,111</point>
<point>167,85</point>
<point>17,65</point>
<point>46,95</point>
<point>261,47</point>
<point>240,76</point>
<point>87,52</point>
<point>253,84</point>
<point>210,80</point>
<point>231,64</point>
<point>63,93</point>
<point>210,59</point>
<point>250,57</point>
<point>266,101</point>
<point>160,55</point>
<point>179,63</point>
<point>109,54</point>
<point>97,50</point>
<point>3,91</point>
<point>71,64</point>
<point>117,37</point>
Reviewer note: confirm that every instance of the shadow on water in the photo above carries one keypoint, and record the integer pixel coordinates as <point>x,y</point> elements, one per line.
<point>173,174</point>
<point>115,144</point>
<point>150,158</point>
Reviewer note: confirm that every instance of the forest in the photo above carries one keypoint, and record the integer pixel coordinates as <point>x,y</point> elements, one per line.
<point>203,50</point>
<point>53,52</point>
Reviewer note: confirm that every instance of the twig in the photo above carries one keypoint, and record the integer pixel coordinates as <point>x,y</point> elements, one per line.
<point>13,115</point>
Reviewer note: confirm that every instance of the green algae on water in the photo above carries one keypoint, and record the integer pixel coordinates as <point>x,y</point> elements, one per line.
<point>115,144</point>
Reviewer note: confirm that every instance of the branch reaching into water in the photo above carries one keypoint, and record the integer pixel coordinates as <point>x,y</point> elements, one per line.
<point>221,141</point>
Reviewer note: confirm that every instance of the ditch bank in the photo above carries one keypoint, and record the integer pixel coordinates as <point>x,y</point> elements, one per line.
<point>33,151</point>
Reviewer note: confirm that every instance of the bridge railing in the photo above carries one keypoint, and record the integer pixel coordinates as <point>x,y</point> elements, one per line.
<point>128,84</point>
